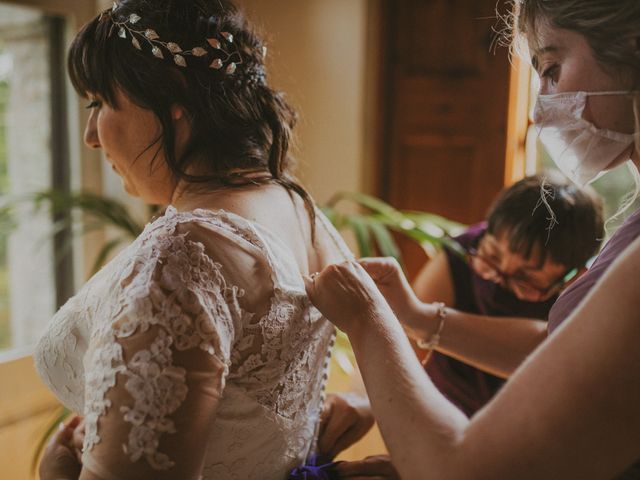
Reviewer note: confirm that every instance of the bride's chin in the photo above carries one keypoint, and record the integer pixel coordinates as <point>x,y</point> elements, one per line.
<point>130,189</point>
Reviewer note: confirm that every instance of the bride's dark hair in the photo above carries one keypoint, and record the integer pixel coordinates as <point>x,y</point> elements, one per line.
<point>241,127</point>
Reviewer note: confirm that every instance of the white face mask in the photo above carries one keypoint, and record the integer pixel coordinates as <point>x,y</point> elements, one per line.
<point>581,150</point>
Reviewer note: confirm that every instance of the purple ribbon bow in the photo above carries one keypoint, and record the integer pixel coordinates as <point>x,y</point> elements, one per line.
<point>316,468</point>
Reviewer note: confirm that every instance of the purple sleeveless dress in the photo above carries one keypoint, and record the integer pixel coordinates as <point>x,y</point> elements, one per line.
<point>467,387</point>
<point>572,296</point>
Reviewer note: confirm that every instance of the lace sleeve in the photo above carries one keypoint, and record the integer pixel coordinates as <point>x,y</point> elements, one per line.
<point>155,371</point>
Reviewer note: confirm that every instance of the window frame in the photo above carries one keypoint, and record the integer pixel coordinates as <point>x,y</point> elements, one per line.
<point>74,167</point>
<point>28,405</point>
<point>518,121</point>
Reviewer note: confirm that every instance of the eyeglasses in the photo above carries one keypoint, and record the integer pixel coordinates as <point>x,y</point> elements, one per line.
<point>524,289</point>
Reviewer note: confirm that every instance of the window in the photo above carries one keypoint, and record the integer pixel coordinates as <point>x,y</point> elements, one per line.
<point>40,148</point>
<point>34,274</point>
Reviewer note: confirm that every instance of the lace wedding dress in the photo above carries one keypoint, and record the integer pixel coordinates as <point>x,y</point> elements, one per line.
<point>198,337</point>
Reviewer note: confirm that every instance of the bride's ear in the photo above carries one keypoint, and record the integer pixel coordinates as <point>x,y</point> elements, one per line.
<point>181,124</point>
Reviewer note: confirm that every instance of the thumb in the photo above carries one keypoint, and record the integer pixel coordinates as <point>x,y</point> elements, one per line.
<point>310,285</point>
<point>64,433</point>
<point>377,268</point>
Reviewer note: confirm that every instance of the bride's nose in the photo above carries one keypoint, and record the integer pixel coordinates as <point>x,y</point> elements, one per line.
<point>91,138</point>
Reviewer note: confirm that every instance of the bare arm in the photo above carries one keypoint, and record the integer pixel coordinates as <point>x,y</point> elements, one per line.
<point>497,345</point>
<point>571,411</point>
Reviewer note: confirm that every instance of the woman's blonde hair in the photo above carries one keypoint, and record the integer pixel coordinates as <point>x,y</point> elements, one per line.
<point>612,28</point>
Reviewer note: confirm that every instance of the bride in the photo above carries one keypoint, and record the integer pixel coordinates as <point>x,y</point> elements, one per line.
<point>195,353</point>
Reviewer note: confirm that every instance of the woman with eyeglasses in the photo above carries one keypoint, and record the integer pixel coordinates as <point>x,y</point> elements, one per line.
<point>499,292</point>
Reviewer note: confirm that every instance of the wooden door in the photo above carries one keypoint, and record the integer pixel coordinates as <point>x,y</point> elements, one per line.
<point>444,113</point>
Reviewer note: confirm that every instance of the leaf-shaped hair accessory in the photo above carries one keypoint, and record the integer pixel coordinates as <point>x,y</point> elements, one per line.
<point>199,52</point>
<point>215,43</point>
<point>157,52</point>
<point>174,47</point>
<point>218,56</point>
<point>151,34</point>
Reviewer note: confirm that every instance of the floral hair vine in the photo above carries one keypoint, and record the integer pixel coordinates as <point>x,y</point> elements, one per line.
<point>214,48</point>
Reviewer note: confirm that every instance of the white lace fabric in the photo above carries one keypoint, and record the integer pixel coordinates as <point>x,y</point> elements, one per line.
<point>195,353</point>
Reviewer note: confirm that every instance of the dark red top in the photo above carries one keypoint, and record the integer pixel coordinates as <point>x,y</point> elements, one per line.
<point>466,386</point>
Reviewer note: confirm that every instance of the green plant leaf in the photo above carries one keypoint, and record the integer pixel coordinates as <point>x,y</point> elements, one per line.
<point>386,244</point>
<point>367,201</point>
<point>424,219</point>
<point>361,231</point>
<point>108,211</point>
<point>427,229</point>
<point>104,253</point>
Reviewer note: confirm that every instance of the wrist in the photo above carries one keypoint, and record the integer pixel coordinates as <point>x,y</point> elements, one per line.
<point>429,338</point>
<point>370,322</point>
<point>422,320</point>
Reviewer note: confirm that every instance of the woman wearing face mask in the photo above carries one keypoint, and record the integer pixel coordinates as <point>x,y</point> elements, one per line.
<point>572,410</point>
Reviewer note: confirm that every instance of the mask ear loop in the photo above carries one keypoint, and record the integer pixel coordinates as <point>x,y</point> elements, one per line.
<point>627,201</point>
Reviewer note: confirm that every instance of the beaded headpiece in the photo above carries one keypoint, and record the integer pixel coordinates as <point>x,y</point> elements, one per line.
<point>219,50</point>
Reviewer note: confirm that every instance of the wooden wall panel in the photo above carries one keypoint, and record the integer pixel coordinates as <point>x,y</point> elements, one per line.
<point>439,166</point>
<point>446,111</point>
<point>442,37</point>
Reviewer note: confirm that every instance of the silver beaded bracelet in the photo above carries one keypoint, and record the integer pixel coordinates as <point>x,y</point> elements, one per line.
<point>433,341</point>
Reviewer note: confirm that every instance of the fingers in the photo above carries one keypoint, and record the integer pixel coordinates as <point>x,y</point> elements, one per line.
<point>380,267</point>
<point>59,459</point>
<point>65,432</point>
<point>77,440</point>
<point>309,285</point>
<point>312,281</point>
<point>338,418</point>
<point>345,294</point>
<point>348,438</point>
<point>344,420</point>
<point>325,416</point>
<point>378,466</point>
<point>335,426</point>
